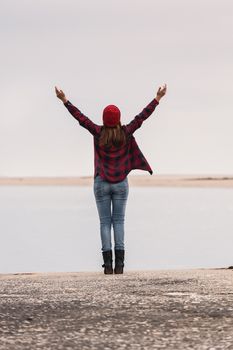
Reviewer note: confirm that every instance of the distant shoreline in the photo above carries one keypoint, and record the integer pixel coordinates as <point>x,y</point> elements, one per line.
<point>134,180</point>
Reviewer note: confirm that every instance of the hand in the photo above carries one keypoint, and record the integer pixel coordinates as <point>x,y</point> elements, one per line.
<point>60,94</point>
<point>161,92</point>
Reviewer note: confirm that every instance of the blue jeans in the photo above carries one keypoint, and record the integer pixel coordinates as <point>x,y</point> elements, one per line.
<point>107,194</point>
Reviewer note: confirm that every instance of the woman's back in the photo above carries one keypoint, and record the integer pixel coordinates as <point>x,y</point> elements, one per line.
<point>114,163</point>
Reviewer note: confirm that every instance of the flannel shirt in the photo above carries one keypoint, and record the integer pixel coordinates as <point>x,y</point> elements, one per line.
<point>114,164</point>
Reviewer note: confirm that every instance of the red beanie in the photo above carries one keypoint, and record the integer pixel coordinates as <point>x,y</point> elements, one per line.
<point>111,115</point>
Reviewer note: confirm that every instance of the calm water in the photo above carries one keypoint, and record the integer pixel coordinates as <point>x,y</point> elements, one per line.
<point>56,228</point>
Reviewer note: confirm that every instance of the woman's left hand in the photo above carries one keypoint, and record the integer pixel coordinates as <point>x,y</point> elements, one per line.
<point>161,92</point>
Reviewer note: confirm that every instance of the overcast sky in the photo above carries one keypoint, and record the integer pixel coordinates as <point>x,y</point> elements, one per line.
<point>116,52</point>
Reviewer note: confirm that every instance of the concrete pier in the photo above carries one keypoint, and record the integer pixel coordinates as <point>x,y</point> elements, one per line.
<point>159,309</point>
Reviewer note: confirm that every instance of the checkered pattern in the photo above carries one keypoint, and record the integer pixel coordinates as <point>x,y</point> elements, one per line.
<point>114,164</point>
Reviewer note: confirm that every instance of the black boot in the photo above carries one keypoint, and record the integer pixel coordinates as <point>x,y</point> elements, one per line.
<point>119,260</point>
<point>107,256</point>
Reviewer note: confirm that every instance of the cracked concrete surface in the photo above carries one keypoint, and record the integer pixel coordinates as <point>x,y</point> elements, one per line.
<point>159,309</point>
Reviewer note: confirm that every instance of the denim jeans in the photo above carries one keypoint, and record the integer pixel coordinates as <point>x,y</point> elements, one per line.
<point>111,201</point>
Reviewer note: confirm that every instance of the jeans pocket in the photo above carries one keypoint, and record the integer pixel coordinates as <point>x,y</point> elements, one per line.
<point>122,188</point>
<point>97,189</point>
<point>98,186</point>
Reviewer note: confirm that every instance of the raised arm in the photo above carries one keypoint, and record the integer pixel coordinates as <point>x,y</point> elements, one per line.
<point>139,119</point>
<point>146,112</point>
<point>77,114</point>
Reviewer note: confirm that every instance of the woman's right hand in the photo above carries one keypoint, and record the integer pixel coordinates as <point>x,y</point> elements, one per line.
<point>161,92</point>
<point>61,95</point>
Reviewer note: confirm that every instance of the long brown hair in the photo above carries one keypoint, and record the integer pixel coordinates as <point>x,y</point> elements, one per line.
<point>112,136</point>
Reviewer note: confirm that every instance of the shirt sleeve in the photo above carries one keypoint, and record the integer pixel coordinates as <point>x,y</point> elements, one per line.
<point>82,119</point>
<point>139,119</point>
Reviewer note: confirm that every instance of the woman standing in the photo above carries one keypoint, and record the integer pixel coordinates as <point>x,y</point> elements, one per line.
<point>116,153</point>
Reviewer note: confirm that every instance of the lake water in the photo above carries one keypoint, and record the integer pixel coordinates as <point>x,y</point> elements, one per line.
<point>56,228</point>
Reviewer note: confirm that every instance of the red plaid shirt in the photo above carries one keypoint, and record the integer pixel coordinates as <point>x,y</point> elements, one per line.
<point>114,164</point>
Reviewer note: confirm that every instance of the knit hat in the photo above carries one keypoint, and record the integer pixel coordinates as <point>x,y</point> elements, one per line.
<point>111,115</point>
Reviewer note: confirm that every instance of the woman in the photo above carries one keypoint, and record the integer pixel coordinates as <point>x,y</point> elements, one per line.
<point>116,153</point>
